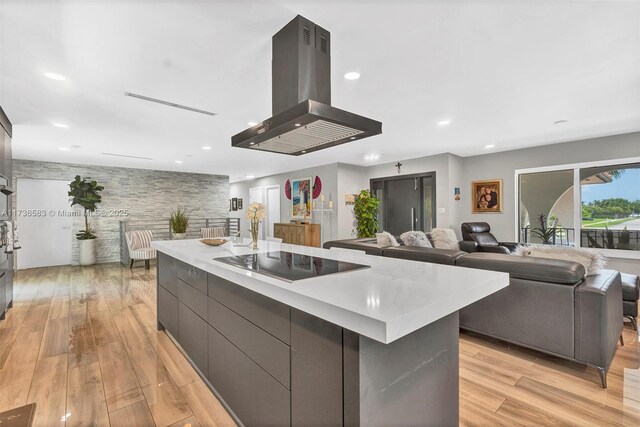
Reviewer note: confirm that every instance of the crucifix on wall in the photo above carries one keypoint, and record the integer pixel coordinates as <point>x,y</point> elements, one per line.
<point>398,165</point>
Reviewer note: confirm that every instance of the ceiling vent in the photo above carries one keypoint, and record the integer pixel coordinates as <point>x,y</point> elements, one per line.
<point>170,104</point>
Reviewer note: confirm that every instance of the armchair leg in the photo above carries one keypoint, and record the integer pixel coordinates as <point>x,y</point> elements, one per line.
<point>634,322</point>
<point>621,341</point>
<point>147,266</point>
<point>131,266</point>
<point>603,375</point>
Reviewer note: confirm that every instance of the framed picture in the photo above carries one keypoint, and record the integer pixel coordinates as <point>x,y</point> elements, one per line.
<point>230,205</point>
<point>301,198</point>
<point>234,204</point>
<point>239,204</point>
<point>486,196</point>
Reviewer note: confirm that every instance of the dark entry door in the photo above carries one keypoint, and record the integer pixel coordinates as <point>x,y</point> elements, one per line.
<point>407,202</point>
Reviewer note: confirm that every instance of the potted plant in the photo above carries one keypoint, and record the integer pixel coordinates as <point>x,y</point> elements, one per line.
<point>366,212</point>
<point>179,222</point>
<point>544,232</point>
<point>86,193</point>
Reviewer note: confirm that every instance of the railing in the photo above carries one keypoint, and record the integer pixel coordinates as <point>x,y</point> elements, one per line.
<point>600,238</point>
<point>161,230</point>
<point>563,237</point>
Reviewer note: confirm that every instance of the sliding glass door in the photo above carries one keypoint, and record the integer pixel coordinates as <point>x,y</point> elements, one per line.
<point>406,202</point>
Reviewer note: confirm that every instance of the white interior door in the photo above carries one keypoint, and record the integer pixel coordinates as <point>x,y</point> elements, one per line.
<point>256,196</point>
<point>46,238</point>
<point>272,196</point>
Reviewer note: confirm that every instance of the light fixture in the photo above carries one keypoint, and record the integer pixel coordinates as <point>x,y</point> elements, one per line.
<point>303,151</point>
<point>559,122</point>
<point>63,148</point>
<point>206,147</point>
<point>352,75</point>
<point>251,143</point>
<point>252,123</point>
<point>54,76</point>
<point>298,125</point>
<point>61,125</point>
<point>179,162</point>
<point>353,137</point>
<point>444,122</point>
<point>371,157</point>
<point>490,146</point>
<point>250,176</point>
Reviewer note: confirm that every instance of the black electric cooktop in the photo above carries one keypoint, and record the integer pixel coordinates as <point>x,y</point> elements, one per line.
<point>289,266</point>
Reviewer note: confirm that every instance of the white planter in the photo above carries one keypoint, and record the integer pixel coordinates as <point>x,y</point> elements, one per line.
<point>179,236</point>
<point>87,251</point>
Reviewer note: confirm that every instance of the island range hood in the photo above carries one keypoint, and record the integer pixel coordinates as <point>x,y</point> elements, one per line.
<point>303,119</point>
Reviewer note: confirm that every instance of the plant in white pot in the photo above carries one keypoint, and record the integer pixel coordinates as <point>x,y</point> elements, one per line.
<point>179,222</point>
<point>86,193</point>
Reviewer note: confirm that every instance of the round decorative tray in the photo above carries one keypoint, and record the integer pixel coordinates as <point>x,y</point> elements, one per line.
<point>213,242</point>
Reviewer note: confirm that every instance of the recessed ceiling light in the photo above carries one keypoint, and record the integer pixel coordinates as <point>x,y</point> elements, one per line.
<point>54,76</point>
<point>352,75</point>
<point>250,176</point>
<point>179,162</point>
<point>63,148</point>
<point>303,151</point>
<point>372,157</point>
<point>490,146</point>
<point>298,125</point>
<point>251,143</point>
<point>444,122</point>
<point>353,137</point>
<point>206,147</point>
<point>559,122</point>
<point>252,123</point>
<point>60,125</point>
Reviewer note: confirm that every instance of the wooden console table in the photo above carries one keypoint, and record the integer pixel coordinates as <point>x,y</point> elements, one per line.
<point>298,234</point>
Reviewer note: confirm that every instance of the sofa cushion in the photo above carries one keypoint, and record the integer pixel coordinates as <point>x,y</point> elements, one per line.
<point>419,253</point>
<point>527,268</point>
<point>444,238</point>
<point>592,261</point>
<point>415,238</point>
<point>630,291</point>
<point>485,239</point>
<point>386,239</point>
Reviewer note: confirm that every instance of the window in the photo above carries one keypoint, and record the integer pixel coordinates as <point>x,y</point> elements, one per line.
<point>595,205</point>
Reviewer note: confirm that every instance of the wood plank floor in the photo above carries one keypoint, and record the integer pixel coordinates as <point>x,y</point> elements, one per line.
<point>82,344</point>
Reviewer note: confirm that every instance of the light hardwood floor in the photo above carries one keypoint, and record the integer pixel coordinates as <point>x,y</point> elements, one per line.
<point>82,344</point>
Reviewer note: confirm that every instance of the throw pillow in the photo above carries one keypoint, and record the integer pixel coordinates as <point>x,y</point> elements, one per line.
<point>386,239</point>
<point>415,238</point>
<point>444,238</point>
<point>592,261</point>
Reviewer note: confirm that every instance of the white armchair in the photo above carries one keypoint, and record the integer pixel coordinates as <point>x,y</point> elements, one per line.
<point>139,244</point>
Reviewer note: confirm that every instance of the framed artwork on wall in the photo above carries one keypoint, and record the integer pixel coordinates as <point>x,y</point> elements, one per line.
<point>301,198</point>
<point>239,204</point>
<point>234,204</point>
<point>486,196</point>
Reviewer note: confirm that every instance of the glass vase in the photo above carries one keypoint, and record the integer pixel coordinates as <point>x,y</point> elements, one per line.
<point>255,226</point>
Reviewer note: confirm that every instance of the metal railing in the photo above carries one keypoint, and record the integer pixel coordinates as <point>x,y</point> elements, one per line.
<point>161,230</point>
<point>599,238</point>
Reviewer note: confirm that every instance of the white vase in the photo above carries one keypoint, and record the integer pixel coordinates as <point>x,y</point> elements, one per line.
<point>87,251</point>
<point>179,236</point>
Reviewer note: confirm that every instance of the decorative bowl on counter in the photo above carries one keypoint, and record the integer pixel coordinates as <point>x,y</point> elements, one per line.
<point>213,242</point>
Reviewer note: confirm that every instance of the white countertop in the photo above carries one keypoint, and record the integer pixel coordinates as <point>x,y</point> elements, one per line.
<point>391,299</point>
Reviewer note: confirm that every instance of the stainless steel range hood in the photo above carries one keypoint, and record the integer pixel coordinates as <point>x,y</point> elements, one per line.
<point>303,118</point>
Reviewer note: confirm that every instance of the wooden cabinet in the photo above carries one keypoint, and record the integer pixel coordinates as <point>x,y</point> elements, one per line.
<point>298,234</point>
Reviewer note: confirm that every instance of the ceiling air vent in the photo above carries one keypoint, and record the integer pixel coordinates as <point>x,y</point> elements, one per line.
<point>170,104</point>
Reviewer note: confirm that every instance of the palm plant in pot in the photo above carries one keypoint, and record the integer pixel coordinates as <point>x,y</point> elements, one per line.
<point>179,222</point>
<point>544,232</point>
<point>86,193</point>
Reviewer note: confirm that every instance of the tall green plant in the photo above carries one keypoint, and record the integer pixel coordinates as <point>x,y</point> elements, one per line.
<point>544,232</point>
<point>179,221</point>
<point>86,194</point>
<point>366,212</point>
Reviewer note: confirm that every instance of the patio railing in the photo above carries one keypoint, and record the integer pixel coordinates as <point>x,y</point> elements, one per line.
<point>600,238</point>
<point>162,230</point>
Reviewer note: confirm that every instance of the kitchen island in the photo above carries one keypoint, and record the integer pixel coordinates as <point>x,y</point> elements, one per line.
<point>295,335</point>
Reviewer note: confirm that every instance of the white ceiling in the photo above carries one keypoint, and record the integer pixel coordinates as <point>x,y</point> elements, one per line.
<point>502,72</point>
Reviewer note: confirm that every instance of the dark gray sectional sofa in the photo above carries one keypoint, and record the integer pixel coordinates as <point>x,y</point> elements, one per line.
<point>549,306</point>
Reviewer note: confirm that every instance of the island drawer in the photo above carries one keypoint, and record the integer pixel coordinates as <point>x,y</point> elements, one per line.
<point>192,298</point>
<point>270,353</point>
<point>193,337</point>
<point>253,395</point>
<point>193,276</point>
<point>168,311</point>
<point>167,273</point>
<point>268,314</point>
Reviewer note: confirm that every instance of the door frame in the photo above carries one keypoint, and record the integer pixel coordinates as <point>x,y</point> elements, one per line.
<point>266,200</point>
<point>421,175</point>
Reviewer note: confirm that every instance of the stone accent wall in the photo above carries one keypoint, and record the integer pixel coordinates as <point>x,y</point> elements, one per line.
<point>146,194</point>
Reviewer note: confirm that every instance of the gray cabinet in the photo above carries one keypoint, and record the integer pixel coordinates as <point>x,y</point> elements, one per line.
<point>168,273</point>
<point>192,275</point>
<point>253,395</point>
<point>168,311</point>
<point>192,336</point>
<point>192,298</point>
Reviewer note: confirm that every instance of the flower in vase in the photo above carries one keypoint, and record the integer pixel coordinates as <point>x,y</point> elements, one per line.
<point>255,212</point>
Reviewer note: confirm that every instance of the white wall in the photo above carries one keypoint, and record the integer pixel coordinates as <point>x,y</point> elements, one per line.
<point>351,180</point>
